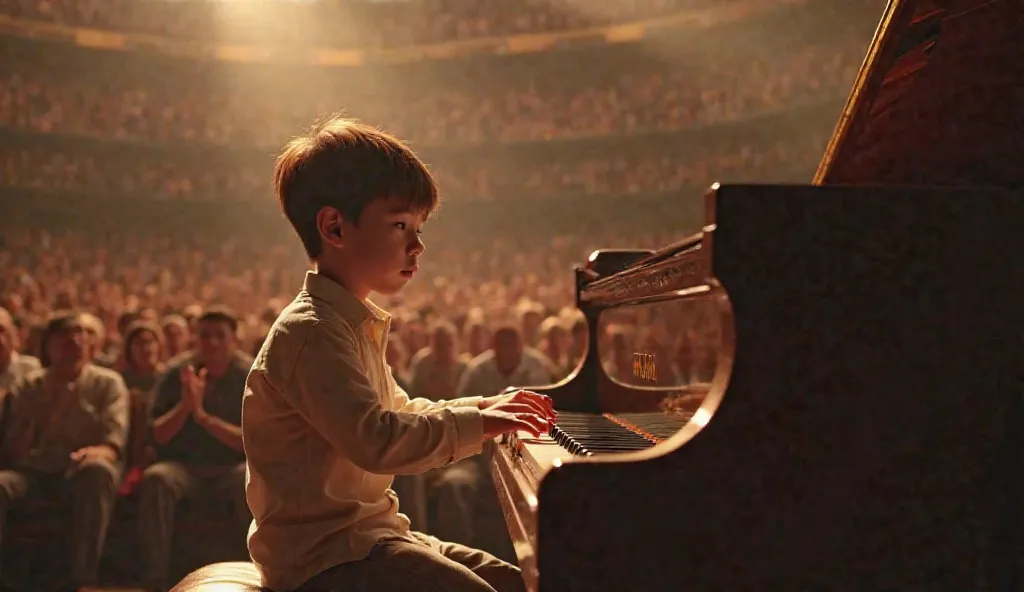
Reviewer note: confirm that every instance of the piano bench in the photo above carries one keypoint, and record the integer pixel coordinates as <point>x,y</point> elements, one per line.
<point>232,576</point>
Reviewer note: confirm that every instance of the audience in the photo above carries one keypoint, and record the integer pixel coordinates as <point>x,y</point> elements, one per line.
<point>67,429</point>
<point>197,416</point>
<point>345,23</point>
<point>529,98</point>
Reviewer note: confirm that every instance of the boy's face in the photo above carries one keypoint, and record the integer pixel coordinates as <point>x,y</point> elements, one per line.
<point>381,253</point>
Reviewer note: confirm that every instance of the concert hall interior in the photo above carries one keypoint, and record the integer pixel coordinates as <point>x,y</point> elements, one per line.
<point>758,254</point>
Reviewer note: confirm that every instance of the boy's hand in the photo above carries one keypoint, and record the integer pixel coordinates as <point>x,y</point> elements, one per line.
<point>508,416</point>
<point>540,404</point>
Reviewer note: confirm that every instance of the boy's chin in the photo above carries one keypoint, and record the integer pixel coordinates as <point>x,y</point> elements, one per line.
<point>392,287</point>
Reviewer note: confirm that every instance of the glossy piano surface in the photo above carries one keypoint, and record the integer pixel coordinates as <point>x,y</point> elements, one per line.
<point>791,399</point>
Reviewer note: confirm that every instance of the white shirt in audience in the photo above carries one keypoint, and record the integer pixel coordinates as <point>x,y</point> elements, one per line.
<point>482,376</point>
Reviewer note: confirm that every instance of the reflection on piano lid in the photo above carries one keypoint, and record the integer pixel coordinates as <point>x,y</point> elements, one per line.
<point>937,101</point>
<point>811,393</point>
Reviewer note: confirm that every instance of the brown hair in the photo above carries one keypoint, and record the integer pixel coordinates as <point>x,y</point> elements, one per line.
<point>134,331</point>
<point>344,164</point>
<point>58,321</point>
<point>219,314</point>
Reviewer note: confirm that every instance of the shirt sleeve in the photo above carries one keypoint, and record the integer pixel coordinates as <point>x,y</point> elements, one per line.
<point>115,414</point>
<point>330,388</point>
<point>166,393</point>
<point>422,405</point>
<point>17,420</point>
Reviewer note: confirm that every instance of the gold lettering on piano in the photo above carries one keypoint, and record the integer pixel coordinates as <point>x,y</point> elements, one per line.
<point>644,367</point>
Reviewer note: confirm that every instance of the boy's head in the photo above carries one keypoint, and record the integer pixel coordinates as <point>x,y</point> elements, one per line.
<point>358,198</point>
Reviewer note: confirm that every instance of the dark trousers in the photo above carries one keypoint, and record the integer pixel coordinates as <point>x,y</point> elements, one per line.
<point>92,491</point>
<point>422,563</point>
<point>164,485</point>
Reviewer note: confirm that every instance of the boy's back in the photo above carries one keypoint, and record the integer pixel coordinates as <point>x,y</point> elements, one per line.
<point>314,505</point>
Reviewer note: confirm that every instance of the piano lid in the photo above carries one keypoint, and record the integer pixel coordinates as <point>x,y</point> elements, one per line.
<point>938,101</point>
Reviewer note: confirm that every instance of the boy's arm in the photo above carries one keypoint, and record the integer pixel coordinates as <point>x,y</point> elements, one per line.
<point>421,405</point>
<point>330,388</point>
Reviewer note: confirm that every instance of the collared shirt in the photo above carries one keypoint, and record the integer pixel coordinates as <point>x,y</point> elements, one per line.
<point>56,419</point>
<point>20,367</point>
<point>223,399</point>
<point>482,375</point>
<point>326,428</point>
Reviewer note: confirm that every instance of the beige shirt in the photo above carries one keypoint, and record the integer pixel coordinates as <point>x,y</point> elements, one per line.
<point>20,367</point>
<point>325,430</point>
<point>56,419</point>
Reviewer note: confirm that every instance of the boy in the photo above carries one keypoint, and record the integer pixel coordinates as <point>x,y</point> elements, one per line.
<point>324,424</point>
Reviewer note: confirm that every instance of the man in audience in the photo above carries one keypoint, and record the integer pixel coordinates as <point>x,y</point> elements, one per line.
<point>13,366</point>
<point>456,490</point>
<point>434,375</point>
<point>197,415</point>
<point>97,341</point>
<point>509,362</point>
<point>436,370</point>
<point>176,335</point>
<point>67,430</point>
<point>579,334</point>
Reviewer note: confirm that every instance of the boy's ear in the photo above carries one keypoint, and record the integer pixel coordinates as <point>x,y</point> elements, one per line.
<point>329,225</point>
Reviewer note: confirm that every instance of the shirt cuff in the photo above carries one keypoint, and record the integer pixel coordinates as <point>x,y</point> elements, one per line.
<point>467,401</point>
<point>469,431</point>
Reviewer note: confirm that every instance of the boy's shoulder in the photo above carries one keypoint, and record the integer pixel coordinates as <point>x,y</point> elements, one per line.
<point>294,325</point>
<point>303,319</point>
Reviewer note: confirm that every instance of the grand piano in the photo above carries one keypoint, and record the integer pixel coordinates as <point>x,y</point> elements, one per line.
<point>821,388</point>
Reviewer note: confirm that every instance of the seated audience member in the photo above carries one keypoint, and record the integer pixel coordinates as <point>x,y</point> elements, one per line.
<point>66,433</point>
<point>97,334</point>
<point>143,352</point>
<point>13,366</point>
<point>553,339</point>
<point>435,373</point>
<point>455,490</point>
<point>508,363</point>
<point>436,369</point>
<point>197,411</point>
<point>177,335</point>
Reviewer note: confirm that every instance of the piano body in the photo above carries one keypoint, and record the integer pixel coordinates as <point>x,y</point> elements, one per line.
<point>822,388</point>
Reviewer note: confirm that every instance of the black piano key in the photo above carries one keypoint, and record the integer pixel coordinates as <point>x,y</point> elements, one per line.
<point>585,434</point>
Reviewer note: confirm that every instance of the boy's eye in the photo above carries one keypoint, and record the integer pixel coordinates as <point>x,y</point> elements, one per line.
<point>401,225</point>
